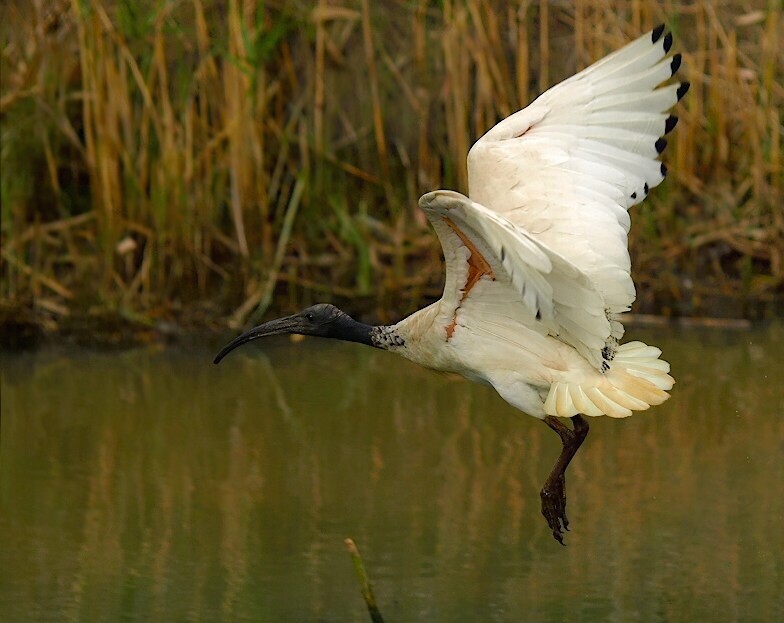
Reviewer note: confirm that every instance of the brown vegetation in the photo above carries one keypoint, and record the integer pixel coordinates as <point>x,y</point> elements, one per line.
<point>159,158</point>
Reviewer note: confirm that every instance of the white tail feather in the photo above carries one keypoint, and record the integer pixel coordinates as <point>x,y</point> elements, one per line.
<point>636,380</point>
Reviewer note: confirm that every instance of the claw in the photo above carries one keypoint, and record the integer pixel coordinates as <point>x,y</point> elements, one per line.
<point>554,508</point>
<point>554,511</point>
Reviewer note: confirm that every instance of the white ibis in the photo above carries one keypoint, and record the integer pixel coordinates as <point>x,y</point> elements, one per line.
<point>537,264</point>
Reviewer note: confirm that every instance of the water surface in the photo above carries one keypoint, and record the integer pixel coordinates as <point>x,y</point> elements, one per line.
<point>150,485</point>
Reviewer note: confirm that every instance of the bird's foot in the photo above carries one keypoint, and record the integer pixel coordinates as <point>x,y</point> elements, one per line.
<point>553,496</point>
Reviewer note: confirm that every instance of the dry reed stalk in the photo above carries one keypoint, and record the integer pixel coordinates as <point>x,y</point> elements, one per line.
<point>262,297</point>
<point>37,277</point>
<point>378,117</point>
<point>579,34</point>
<point>492,74</point>
<point>456,85</point>
<point>197,135</point>
<point>318,97</point>
<point>544,45</point>
<point>236,120</point>
<point>523,54</point>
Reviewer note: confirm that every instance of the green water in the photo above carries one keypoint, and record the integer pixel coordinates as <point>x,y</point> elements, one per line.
<point>150,485</point>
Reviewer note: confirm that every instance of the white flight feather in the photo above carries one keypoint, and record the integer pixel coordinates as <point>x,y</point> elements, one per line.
<point>567,167</point>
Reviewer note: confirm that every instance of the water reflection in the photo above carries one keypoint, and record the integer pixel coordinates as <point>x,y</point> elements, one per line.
<point>151,485</point>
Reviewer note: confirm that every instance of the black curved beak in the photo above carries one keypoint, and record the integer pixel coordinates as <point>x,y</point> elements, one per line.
<point>281,326</point>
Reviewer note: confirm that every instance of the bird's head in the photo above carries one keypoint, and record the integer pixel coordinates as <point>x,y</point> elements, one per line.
<point>321,320</point>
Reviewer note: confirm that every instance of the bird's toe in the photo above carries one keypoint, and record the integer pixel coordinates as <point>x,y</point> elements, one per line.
<point>554,508</point>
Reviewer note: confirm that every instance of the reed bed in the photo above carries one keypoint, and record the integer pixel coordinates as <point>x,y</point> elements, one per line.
<point>165,159</point>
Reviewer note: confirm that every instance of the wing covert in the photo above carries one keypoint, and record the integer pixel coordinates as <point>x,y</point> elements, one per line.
<point>550,288</point>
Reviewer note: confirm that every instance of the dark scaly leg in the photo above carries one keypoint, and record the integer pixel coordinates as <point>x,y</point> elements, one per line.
<point>554,491</point>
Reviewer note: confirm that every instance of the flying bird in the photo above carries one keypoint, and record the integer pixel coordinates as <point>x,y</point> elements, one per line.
<point>537,262</point>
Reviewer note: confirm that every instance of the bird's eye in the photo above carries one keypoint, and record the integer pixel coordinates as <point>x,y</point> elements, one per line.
<point>309,316</point>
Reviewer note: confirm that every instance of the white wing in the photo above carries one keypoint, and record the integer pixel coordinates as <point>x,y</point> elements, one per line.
<point>546,288</point>
<point>568,167</point>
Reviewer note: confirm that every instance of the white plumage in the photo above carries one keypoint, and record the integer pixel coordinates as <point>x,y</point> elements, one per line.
<point>538,269</point>
<point>537,266</point>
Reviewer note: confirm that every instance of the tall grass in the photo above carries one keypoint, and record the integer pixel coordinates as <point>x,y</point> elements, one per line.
<point>165,156</point>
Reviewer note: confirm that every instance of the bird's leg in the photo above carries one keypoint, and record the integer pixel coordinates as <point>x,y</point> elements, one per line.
<point>554,491</point>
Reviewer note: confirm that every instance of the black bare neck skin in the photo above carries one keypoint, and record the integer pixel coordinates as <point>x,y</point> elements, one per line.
<point>349,330</point>
<point>384,337</point>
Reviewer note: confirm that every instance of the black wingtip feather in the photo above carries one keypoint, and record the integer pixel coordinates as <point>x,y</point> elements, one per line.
<point>668,42</point>
<point>646,188</point>
<point>660,145</point>
<point>670,124</point>
<point>663,170</point>
<point>657,33</point>
<point>683,89</point>
<point>675,64</point>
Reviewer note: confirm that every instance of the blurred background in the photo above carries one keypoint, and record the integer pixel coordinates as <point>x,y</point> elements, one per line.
<point>170,166</point>
<point>198,162</point>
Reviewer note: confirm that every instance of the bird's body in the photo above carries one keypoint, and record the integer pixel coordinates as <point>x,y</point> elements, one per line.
<point>477,337</point>
<point>537,265</point>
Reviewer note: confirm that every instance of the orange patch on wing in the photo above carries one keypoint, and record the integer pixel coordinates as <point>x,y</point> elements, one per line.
<point>477,268</point>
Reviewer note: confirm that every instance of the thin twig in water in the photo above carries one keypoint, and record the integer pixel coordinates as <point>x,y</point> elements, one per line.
<point>364,582</point>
